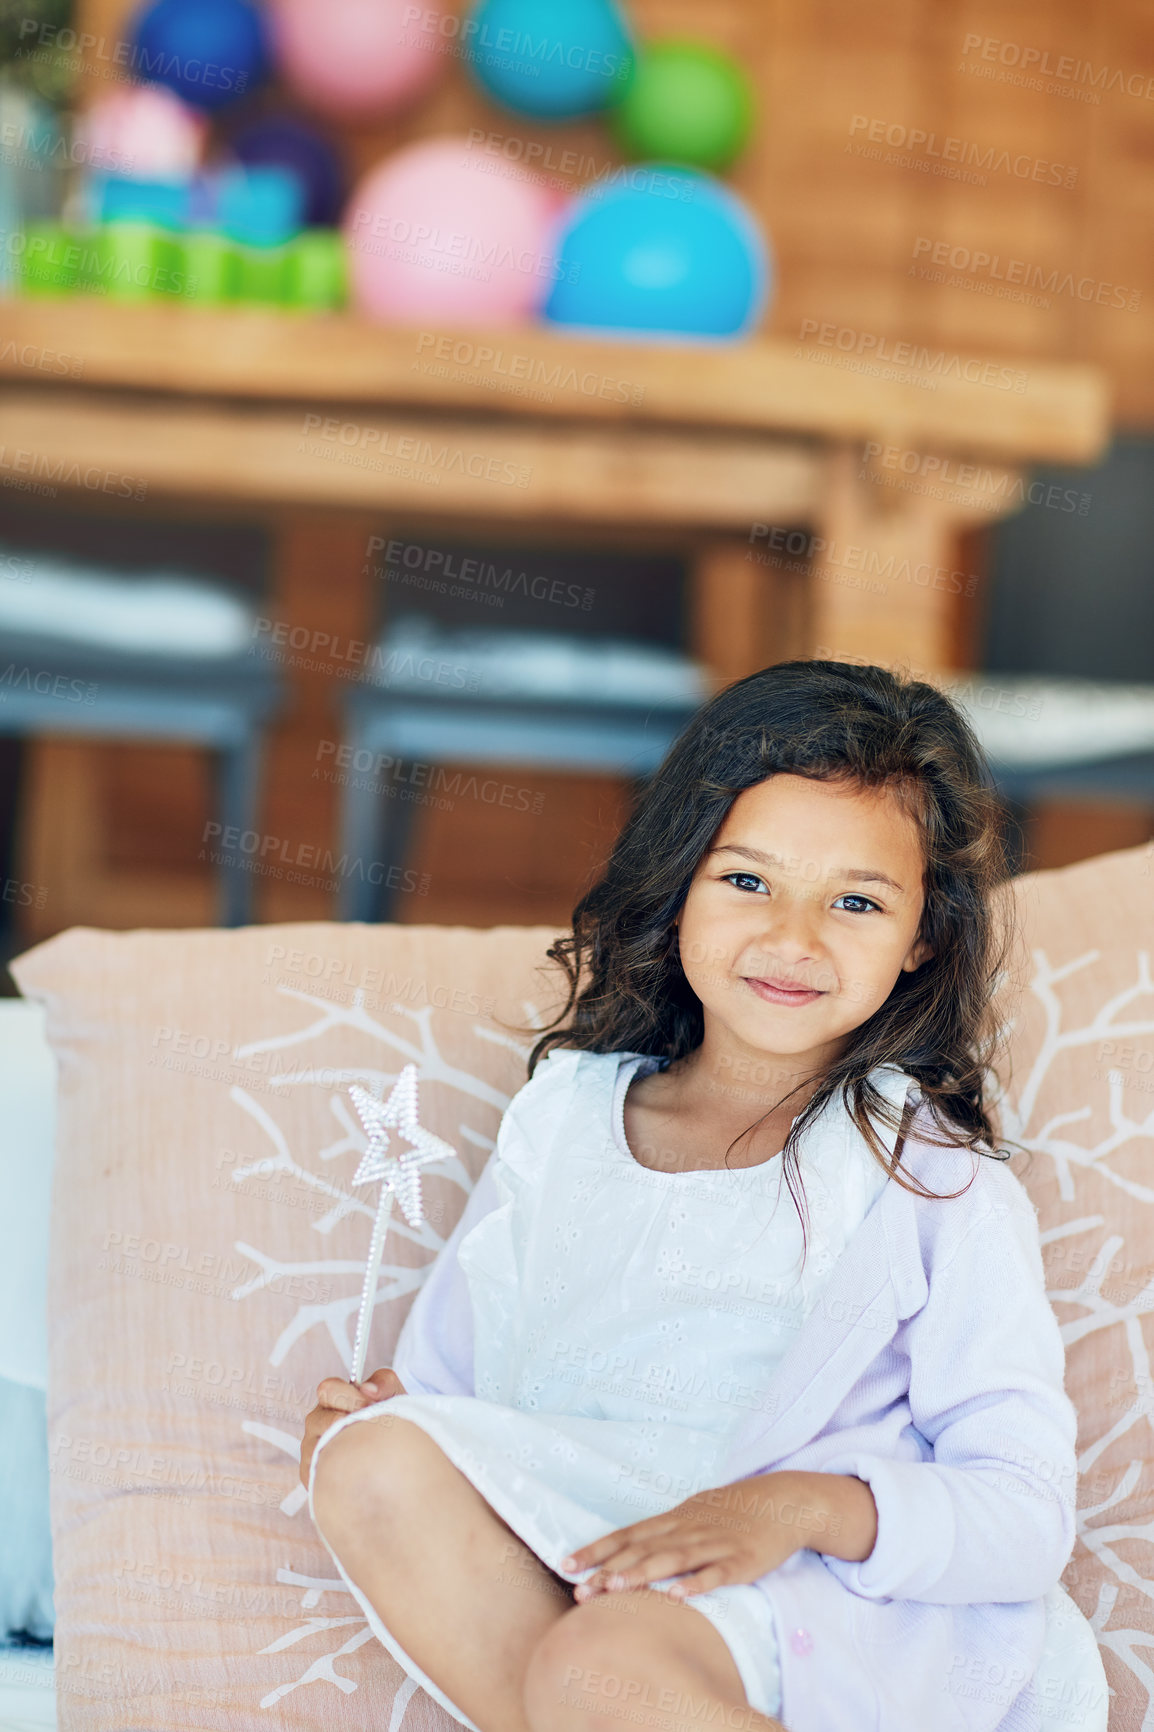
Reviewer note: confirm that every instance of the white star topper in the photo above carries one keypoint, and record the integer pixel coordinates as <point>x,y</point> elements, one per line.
<point>399,1176</point>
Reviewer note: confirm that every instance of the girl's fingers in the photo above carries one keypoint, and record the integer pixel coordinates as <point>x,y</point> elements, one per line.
<point>655,1566</point>
<point>378,1385</point>
<point>347,1397</point>
<point>685,1542</point>
<point>701,1581</point>
<point>342,1397</point>
<point>597,1551</point>
<point>609,1545</point>
<point>624,1564</point>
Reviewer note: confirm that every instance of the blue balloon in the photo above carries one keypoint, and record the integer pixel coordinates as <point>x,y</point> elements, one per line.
<point>209,51</point>
<point>261,205</point>
<point>666,249</point>
<point>554,59</point>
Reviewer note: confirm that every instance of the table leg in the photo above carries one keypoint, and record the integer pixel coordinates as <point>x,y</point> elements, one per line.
<point>885,579</point>
<point>746,608</point>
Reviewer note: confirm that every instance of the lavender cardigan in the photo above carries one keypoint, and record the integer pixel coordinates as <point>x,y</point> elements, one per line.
<point>931,1367</point>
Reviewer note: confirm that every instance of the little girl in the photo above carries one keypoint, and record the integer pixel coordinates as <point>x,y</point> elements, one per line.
<point>664,1444</point>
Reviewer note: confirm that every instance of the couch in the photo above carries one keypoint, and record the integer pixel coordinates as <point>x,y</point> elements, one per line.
<point>207,1249</point>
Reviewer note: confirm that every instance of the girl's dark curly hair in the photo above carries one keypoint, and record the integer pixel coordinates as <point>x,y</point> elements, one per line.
<point>831,721</point>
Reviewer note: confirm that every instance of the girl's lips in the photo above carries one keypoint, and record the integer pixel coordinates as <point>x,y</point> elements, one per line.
<point>782,994</point>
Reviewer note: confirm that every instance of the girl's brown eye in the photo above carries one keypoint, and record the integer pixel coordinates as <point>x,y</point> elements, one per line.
<point>851,896</point>
<point>747,881</point>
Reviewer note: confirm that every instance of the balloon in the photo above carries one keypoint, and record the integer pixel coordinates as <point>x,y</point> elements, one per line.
<point>142,130</point>
<point>662,250</point>
<point>282,141</point>
<point>687,102</point>
<point>432,236</point>
<point>554,59</point>
<point>260,206</point>
<point>208,51</point>
<point>357,58</point>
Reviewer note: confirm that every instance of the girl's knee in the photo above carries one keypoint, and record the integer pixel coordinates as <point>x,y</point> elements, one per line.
<point>368,1475</point>
<point>585,1662</point>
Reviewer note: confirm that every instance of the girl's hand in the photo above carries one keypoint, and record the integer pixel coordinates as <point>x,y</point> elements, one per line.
<point>734,1533</point>
<point>336,1397</point>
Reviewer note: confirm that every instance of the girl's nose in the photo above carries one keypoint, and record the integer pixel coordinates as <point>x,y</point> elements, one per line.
<point>789,934</point>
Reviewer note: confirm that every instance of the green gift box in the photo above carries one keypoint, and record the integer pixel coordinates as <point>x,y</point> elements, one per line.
<point>48,260</point>
<point>125,261</point>
<point>209,268</point>
<point>168,266</point>
<point>262,275</point>
<point>316,270</point>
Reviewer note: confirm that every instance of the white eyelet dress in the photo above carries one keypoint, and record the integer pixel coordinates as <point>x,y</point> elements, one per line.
<point>625,1322</point>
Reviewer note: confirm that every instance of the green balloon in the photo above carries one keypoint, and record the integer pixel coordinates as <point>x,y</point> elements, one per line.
<point>687,102</point>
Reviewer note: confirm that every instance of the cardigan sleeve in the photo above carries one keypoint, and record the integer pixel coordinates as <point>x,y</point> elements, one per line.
<point>991,1515</point>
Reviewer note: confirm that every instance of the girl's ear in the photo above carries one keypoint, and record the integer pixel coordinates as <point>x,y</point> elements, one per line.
<point>917,953</point>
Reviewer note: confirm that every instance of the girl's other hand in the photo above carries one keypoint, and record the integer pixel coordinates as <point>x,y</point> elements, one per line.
<point>734,1533</point>
<point>336,1397</point>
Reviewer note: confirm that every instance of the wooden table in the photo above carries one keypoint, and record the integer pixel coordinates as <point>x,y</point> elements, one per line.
<point>817,494</point>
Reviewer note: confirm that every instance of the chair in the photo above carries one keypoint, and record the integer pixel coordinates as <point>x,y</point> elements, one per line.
<point>1072,738</point>
<point>530,699</point>
<point>167,659</point>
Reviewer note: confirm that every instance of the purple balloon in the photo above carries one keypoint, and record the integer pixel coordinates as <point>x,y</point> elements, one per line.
<point>282,141</point>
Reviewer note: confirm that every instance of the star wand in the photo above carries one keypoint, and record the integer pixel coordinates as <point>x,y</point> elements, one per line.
<point>399,1176</point>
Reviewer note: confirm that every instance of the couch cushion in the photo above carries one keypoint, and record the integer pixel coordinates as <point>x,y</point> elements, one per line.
<point>206,1264</point>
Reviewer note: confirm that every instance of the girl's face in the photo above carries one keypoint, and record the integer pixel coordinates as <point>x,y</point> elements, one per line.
<point>802,916</point>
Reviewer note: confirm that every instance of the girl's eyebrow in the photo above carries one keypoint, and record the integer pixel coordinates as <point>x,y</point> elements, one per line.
<point>857,874</point>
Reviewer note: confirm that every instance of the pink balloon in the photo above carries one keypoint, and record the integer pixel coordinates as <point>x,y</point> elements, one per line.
<point>441,231</point>
<point>143,130</point>
<point>357,57</point>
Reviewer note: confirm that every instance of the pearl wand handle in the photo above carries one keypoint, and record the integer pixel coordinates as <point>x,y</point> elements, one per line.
<point>369,1290</point>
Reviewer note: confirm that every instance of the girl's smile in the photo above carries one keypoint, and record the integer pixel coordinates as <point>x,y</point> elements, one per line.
<point>780,992</point>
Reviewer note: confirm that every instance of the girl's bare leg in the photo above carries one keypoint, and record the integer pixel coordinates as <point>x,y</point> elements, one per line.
<point>495,1629</point>
<point>464,1597</point>
<point>641,1658</point>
